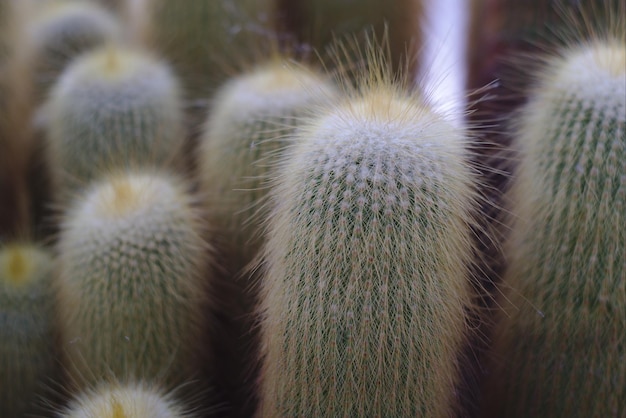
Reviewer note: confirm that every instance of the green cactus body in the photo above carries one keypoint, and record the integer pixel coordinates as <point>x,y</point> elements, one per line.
<point>62,30</point>
<point>130,280</point>
<point>366,280</point>
<point>26,332</point>
<point>201,36</point>
<point>559,350</point>
<point>113,108</point>
<point>252,115</point>
<point>127,401</point>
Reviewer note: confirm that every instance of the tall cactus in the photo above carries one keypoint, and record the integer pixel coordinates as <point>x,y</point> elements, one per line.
<point>253,114</point>
<point>27,356</point>
<point>113,107</point>
<point>559,350</point>
<point>130,281</point>
<point>366,280</point>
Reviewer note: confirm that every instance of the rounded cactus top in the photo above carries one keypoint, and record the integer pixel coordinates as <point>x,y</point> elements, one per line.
<point>115,65</point>
<point>270,88</point>
<point>593,70</point>
<point>22,265</point>
<point>123,402</point>
<point>60,22</point>
<point>132,197</point>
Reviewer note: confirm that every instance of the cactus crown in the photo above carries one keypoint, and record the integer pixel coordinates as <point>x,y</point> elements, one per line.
<point>114,107</point>
<point>22,265</point>
<point>130,401</point>
<point>63,30</point>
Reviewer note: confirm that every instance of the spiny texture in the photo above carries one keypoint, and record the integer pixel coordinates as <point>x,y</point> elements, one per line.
<point>200,36</point>
<point>318,23</point>
<point>559,350</point>
<point>113,108</point>
<point>130,280</point>
<point>26,330</point>
<point>62,30</point>
<point>252,115</point>
<point>128,401</point>
<point>366,276</point>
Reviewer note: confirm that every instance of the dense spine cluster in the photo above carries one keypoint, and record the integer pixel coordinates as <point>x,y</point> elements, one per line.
<point>559,350</point>
<point>130,280</point>
<point>27,361</point>
<point>366,278</point>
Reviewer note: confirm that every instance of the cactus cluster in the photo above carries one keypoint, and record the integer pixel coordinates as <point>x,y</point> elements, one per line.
<point>259,208</point>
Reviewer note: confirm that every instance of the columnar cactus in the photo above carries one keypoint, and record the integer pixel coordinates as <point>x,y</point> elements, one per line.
<point>366,264</point>
<point>123,401</point>
<point>61,30</point>
<point>130,281</point>
<point>27,360</point>
<point>252,115</point>
<point>113,107</point>
<point>559,350</point>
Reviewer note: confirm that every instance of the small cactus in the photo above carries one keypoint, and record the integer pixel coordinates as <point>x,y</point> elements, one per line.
<point>130,281</point>
<point>60,31</point>
<point>252,115</point>
<point>366,266</point>
<point>113,107</point>
<point>123,401</point>
<point>27,358</point>
<point>559,350</point>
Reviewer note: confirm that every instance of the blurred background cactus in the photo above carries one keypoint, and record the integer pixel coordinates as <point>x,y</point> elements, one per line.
<point>242,208</point>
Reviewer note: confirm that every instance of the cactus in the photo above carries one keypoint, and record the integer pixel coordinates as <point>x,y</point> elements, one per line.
<point>61,31</point>
<point>27,359</point>
<point>124,401</point>
<point>252,114</point>
<point>366,263</point>
<point>113,107</point>
<point>130,282</point>
<point>559,350</point>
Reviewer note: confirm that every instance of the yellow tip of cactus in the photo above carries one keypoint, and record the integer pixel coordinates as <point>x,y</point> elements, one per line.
<point>114,63</point>
<point>19,264</point>
<point>124,194</point>
<point>123,402</point>
<point>17,268</point>
<point>611,58</point>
